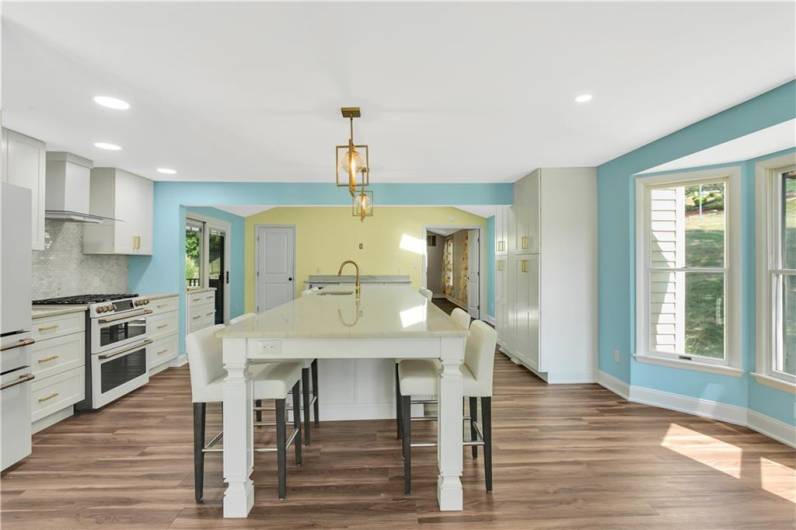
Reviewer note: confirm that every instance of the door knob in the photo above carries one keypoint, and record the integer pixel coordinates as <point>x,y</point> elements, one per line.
<point>290,279</point>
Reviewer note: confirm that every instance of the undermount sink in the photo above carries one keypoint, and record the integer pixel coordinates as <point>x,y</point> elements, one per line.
<point>336,293</point>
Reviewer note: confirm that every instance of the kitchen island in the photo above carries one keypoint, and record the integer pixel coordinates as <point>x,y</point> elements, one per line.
<point>385,322</point>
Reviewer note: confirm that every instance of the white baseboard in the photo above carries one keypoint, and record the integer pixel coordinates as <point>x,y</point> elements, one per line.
<point>614,384</point>
<point>52,419</point>
<point>181,360</point>
<point>773,428</point>
<point>715,410</point>
<point>690,405</point>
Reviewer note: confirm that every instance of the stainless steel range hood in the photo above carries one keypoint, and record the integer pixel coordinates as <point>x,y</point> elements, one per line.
<point>69,189</point>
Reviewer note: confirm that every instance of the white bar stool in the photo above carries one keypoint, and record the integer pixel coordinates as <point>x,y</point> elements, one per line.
<point>462,319</point>
<point>271,381</point>
<point>420,378</point>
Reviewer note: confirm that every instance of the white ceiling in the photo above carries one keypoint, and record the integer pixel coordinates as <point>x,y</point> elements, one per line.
<point>768,140</point>
<point>450,92</point>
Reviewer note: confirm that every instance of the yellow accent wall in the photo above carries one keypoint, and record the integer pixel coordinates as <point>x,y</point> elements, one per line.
<point>327,236</point>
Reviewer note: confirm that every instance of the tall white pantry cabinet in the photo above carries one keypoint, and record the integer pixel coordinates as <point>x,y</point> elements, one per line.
<point>546,274</point>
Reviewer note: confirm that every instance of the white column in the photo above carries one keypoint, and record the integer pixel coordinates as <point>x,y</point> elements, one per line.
<point>449,447</point>
<point>238,431</point>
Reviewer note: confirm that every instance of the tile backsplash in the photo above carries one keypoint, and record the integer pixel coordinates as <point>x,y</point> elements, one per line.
<point>61,269</point>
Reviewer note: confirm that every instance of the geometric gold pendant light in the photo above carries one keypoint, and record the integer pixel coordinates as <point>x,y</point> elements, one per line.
<point>352,168</point>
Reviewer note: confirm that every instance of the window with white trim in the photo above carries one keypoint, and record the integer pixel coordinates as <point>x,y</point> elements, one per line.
<point>777,280</point>
<point>686,268</point>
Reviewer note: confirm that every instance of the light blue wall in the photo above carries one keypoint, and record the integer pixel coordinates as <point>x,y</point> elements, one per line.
<point>490,266</point>
<point>616,213</point>
<point>238,225</point>
<point>164,270</point>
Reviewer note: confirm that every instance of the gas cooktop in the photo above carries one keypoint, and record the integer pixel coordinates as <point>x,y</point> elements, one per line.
<point>83,299</point>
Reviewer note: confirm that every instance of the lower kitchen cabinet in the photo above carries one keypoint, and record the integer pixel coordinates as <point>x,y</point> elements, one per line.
<point>201,307</point>
<point>163,329</point>
<point>58,359</point>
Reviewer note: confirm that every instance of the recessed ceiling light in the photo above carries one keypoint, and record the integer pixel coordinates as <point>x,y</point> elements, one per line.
<point>583,98</point>
<point>167,171</point>
<point>111,103</point>
<point>107,146</point>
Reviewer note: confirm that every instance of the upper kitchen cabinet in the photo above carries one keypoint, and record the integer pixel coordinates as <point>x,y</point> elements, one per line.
<point>128,199</point>
<point>24,165</point>
<point>526,215</point>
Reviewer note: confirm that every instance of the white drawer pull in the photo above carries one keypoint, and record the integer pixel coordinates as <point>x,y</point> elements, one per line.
<point>48,398</point>
<point>48,359</point>
<point>42,329</point>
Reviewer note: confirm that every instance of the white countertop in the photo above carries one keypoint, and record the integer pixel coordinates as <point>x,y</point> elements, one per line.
<point>365,278</point>
<point>394,311</point>
<point>158,296</point>
<point>191,290</point>
<point>41,311</point>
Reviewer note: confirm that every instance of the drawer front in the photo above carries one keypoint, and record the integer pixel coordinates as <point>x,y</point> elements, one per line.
<point>164,305</point>
<point>57,392</point>
<point>201,312</point>
<point>161,351</point>
<point>162,324</point>
<point>58,326</point>
<point>201,321</point>
<point>205,297</point>
<point>53,356</point>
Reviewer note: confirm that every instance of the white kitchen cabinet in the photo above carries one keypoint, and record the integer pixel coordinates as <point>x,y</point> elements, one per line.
<point>128,199</point>
<point>549,286</point>
<point>163,329</point>
<point>201,309</point>
<point>24,165</point>
<point>58,359</point>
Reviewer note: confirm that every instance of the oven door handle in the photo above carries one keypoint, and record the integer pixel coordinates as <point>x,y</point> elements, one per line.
<point>22,379</point>
<point>106,356</point>
<point>125,316</point>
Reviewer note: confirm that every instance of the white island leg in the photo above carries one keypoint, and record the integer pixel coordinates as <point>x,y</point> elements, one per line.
<point>238,431</point>
<point>449,447</point>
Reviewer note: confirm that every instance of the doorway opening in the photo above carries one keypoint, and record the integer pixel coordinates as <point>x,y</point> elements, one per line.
<point>207,259</point>
<point>453,267</point>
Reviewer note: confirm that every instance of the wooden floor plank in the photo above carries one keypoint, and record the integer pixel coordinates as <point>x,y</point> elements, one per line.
<point>573,456</point>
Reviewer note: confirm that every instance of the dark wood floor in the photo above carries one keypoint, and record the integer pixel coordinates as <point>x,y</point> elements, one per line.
<point>573,456</point>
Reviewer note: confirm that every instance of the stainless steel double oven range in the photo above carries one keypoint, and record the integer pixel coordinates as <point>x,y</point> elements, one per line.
<point>116,344</point>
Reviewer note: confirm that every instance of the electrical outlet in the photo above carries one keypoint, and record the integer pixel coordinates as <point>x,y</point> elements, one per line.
<point>617,356</point>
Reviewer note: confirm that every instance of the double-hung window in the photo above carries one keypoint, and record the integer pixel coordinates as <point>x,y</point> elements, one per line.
<point>776,282</point>
<point>687,270</point>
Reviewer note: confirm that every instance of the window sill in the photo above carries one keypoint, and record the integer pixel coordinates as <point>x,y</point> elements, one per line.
<point>774,382</point>
<point>689,365</point>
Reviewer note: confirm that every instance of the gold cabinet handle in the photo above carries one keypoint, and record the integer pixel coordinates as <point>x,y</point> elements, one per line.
<point>197,317</point>
<point>48,328</point>
<point>162,326</point>
<point>210,314</point>
<point>48,359</point>
<point>501,246</point>
<point>161,352</point>
<point>524,242</point>
<point>48,398</point>
<point>500,264</point>
<point>524,265</point>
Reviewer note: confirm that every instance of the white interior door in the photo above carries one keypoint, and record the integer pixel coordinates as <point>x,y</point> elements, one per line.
<point>473,273</point>
<point>275,266</point>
